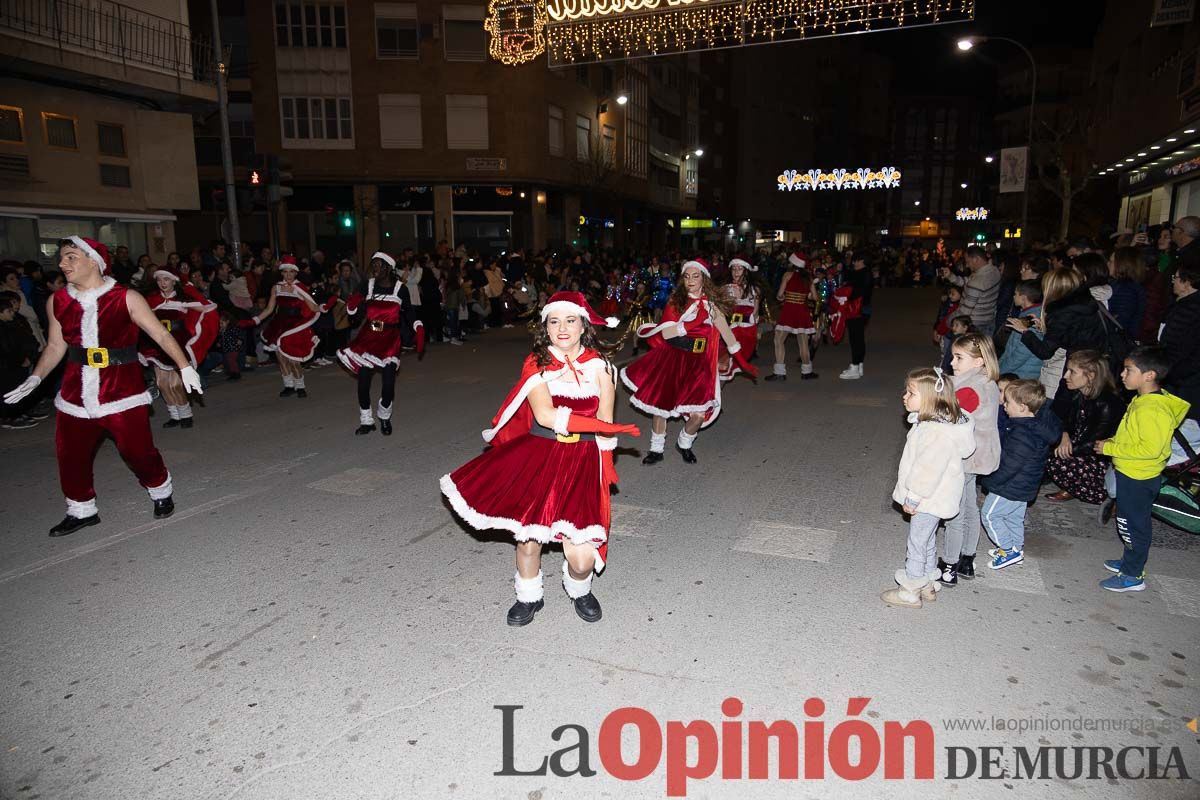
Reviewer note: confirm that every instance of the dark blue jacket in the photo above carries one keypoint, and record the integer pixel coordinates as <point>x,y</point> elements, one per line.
<point>1025,444</point>
<point>1128,305</point>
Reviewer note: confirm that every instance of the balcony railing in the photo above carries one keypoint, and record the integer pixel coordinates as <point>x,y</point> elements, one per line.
<point>113,32</point>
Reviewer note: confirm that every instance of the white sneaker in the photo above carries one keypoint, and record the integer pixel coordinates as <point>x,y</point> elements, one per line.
<point>456,342</point>
<point>852,373</point>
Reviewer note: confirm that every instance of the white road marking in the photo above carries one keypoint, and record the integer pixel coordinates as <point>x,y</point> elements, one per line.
<point>1023,577</point>
<point>788,541</point>
<point>637,521</point>
<point>359,482</point>
<point>1181,594</point>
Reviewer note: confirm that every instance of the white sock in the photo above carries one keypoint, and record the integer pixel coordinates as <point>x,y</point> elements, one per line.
<point>384,412</point>
<point>806,369</point>
<point>364,417</point>
<point>780,369</point>
<point>173,411</point>
<point>575,589</point>
<point>529,590</point>
<point>185,411</point>
<point>289,382</point>
<point>658,442</point>
<point>298,382</point>
<point>686,439</point>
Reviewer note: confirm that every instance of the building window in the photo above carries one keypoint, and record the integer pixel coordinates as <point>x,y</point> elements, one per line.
<point>691,180</point>
<point>12,125</point>
<point>112,139</point>
<point>400,121</point>
<point>467,121</point>
<point>396,30</point>
<point>115,175</point>
<point>556,131</point>
<point>317,118</point>
<point>609,141</point>
<point>581,75</point>
<point>583,137</point>
<point>463,35</point>
<point>310,25</point>
<point>60,131</point>
<point>636,125</point>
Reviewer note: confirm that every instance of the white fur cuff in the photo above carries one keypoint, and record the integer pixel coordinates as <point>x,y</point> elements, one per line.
<point>606,442</point>
<point>680,329</point>
<point>561,415</point>
<point>529,590</point>
<point>384,412</point>
<point>81,510</point>
<point>575,589</point>
<point>160,492</point>
<point>736,347</point>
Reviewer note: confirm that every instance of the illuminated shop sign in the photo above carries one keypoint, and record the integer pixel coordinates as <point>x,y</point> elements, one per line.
<point>862,178</point>
<point>697,223</point>
<point>971,214</point>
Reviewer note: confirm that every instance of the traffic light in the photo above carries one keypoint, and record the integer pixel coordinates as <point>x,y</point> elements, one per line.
<point>347,220</point>
<point>255,178</point>
<point>979,237</point>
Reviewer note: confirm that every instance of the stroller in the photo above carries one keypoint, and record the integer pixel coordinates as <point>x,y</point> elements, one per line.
<point>1178,502</point>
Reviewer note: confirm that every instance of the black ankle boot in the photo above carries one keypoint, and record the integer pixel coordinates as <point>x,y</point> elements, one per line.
<point>363,430</point>
<point>588,608</point>
<point>385,427</point>
<point>164,508</point>
<point>71,524</point>
<point>186,422</point>
<point>949,576</point>
<point>288,391</point>
<point>301,393</point>
<point>688,456</point>
<point>652,457</point>
<point>171,423</point>
<point>966,567</point>
<point>522,613</point>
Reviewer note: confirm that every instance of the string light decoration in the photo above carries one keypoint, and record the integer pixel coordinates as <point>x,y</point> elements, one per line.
<point>584,31</point>
<point>971,214</point>
<point>815,180</point>
<point>517,29</point>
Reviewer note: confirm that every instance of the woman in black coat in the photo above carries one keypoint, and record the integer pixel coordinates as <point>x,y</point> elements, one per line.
<point>1091,412</point>
<point>1070,318</point>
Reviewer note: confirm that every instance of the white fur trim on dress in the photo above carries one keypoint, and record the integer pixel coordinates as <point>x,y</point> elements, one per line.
<point>90,251</point>
<point>575,589</point>
<point>556,383</point>
<point>786,329</point>
<point>529,590</point>
<point>384,412</point>
<point>162,491</point>
<point>555,531</point>
<point>354,361</point>
<point>81,510</point>
<point>561,416</point>
<point>679,411</point>
<point>606,443</point>
<point>275,348</point>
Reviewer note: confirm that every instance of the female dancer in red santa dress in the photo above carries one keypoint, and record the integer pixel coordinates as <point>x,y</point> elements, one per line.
<point>289,333</point>
<point>377,346</point>
<point>548,473</point>
<point>743,317</point>
<point>188,316</point>
<point>795,291</point>
<point>678,377</point>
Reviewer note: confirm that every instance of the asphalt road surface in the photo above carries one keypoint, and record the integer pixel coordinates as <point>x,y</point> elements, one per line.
<point>314,623</point>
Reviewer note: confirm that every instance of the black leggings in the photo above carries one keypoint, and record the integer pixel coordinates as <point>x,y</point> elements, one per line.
<point>388,375</point>
<point>857,330</point>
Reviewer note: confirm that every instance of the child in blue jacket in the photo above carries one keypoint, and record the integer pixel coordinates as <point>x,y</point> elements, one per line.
<point>1016,357</point>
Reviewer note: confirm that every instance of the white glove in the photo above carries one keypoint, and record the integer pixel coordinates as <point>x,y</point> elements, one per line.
<point>734,348</point>
<point>191,380</point>
<point>680,329</point>
<point>21,392</point>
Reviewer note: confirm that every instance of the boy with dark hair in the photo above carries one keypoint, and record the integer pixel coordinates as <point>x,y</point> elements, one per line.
<point>1017,358</point>
<point>1027,433</point>
<point>1139,451</point>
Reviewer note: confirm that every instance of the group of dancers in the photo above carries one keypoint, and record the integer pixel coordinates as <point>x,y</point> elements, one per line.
<point>548,471</point>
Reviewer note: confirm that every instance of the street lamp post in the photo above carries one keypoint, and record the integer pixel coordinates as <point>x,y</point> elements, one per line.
<point>970,42</point>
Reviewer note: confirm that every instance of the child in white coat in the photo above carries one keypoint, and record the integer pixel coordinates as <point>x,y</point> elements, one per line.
<point>929,482</point>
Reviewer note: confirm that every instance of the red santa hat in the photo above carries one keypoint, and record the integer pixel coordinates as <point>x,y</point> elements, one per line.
<point>165,272</point>
<point>93,249</point>
<point>796,259</point>
<point>697,263</point>
<point>575,302</point>
<point>385,258</point>
<point>743,263</point>
<point>288,262</point>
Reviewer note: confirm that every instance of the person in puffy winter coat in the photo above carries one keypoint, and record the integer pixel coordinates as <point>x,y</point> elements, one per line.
<point>1025,442</point>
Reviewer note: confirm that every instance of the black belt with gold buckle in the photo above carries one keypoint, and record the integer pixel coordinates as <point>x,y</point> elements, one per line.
<point>688,343</point>
<point>573,438</point>
<point>377,325</point>
<point>101,357</point>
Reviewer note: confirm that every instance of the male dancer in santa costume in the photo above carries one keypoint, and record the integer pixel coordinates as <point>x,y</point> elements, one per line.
<point>95,323</point>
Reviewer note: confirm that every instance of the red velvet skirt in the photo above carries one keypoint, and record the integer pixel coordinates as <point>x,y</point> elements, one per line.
<point>535,488</point>
<point>290,336</point>
<point>371,349</point>
<point>747,337</point>
<point>795,318</point>
<point>669,382</point>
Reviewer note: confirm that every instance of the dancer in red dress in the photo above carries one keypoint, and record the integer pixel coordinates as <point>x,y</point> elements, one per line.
<point>796,291</point>
<point>377,346</point>
<point>743,318</point>
<point>289,333</point>
<point>548,473</point>
<point>678,376</point>
<point>95,323</point>
<point>188,316</point>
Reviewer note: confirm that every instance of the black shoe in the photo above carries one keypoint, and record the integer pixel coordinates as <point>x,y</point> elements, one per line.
<point>809,376</point>
<point>522,613</point>
<point>966,568</point>
<point>363,430</point>
<point>164,508</point>
<point>301,393</point>
<point>652,458</point>
<point>588,608</point>
<point>774,376</point>
<point>234,376</point>
<point>171,423</point>
<point>287,392</point>
<point>71,524</point>
<point>1106,510</point>
<point>949,576</point>
<point>688,456</point>
<point>186,422</point>
<point>385,427</point>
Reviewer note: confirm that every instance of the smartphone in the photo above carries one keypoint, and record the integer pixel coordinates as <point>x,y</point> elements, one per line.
<point>1141,227</point>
